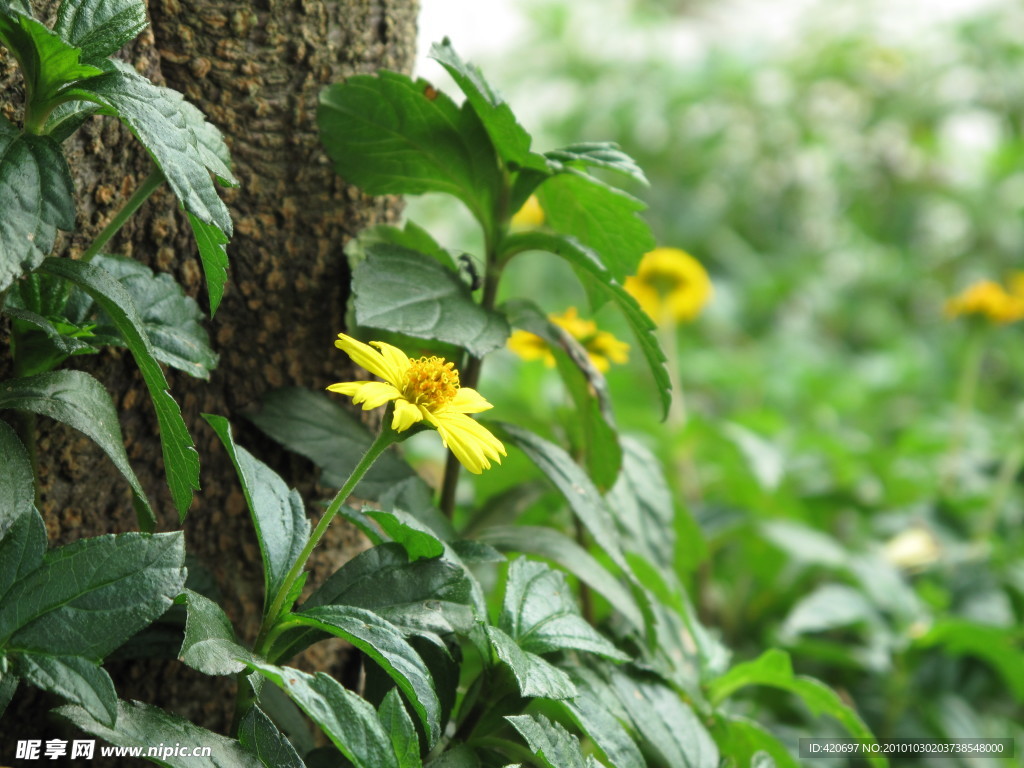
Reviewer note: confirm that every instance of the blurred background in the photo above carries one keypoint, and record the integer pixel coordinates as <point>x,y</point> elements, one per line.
<point>847,464</point>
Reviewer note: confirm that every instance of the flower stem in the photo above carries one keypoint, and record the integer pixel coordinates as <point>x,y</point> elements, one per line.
<point>966,391</point>
<point>139,196</point>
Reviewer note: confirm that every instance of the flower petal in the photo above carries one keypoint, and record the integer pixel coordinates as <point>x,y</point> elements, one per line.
<point>468,400</point>
<point>406,414</point>
<point>367,357</point>
<point>370,393</point>
<point>471,442</point>
<point>397,360</point>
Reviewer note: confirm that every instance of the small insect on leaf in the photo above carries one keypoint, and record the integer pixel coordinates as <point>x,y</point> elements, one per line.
<point>430,92</point>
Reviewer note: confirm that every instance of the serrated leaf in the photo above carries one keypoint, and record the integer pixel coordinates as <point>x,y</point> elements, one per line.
<point>347,720</point>
<point>554,745</point>
<point>314,426</point>
<point>171,319</point>
<point>38,195</point>
<point>391,135</point>
<point>258,734</point>
<point>73,678</point>
<point>535,676</point>
<point>643,505</point>
<point>22,545</point>
<point>78,400</point>
<point>278,515</point>
<point>397,723</point>
<point>17,485</point>
<point>540,613</point>
<point>597,713</point>
<point>383,642</point>
<point>143,725</point>
<point>90,596</point>
<point>400,290</point>
<point>181,461</point>
<point>597,154</point>
<point>210,645</point>
<point>41,345</point>
<point>589,264</point>
<point>100,27</point>
<point>212,244</point>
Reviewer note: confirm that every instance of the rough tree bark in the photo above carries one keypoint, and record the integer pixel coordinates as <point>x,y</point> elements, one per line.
<point>255,69</point>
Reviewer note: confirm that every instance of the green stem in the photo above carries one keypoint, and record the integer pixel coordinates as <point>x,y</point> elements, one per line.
<point>139,196</point>
<point>966,391</point>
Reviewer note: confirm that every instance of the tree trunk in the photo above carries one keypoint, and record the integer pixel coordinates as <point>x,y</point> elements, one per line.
<point>255,69</point>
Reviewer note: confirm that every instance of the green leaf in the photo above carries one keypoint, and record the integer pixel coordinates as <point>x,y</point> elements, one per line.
<point>540,613</point>
<point>462,756</point>
<point>669,728</point>
<point>8,687</point>
<point>78,400</point>
<point>212,242</point>
<point>554,545</point>
<point>391,135</point>
<point>397,723</point>
<point>402,527</point>
<point>90,596</point>
<point>314,426</point>
<point>181,461</point>
<point>145,726</point>
<point>400,290</point>
<point>17,484</point>
<point>829,606</point>
<point>171,319</point>
<point>210,645</point>
<point>383,642</point>
<point>278,515</point>
<point>587,263</point>
<point>74,678</point>
<point>601,217</point>
<point>596,154</point>
<point>40,345</point>
<point>347,720</point>
<point>535,676</point>
<point>22,543</point>
<point>555,746</point>
<point>412,236</point>
<point>742,739</point>
<point>773,668</point>
<point>258,734</point>
<point>38,195</point>
<point>100,27</point>
<point>643,505</point>
<point>597,713</point>
<point>1000,647</point>
<point>509,138</point>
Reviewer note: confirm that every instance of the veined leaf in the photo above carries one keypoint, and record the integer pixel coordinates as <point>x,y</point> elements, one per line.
<point>597,712</point>
<point>22,544</point>
<point>41,345</point>
<point>212,244</point>
<point>597,154</point>
<point>535,676</point>
<point>412,236</point>
<point>78,400</point>
<point>346,719</point>
<point>143,725</point>
<point>258,734</point>
<point>210,645</point>
<point>643,505</point>
<point>391,135</point>
<point>397,723</point>
<point>181,461</point>
<point>73,678</point>
<point>278,515</point>
<point>38,195</point>
<point>383,642</point>
<point>17,484</point>
<point>100,27</point>
<point>554,745</point>
<point>589,264</point>
<point>400,290</point>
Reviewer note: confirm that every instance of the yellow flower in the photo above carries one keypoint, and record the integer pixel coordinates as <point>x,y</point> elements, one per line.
<point>988,299</point>
<point>530,216</point>
<point>670,285</point>
<point>602,348</point>
<point>425,390</point>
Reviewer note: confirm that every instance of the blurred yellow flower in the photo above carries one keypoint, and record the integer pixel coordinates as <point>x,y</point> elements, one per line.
<point>530,216</point>
<point>990,300</point>
<point>602,348</point>
<point>670,286</point>
<point>425,390</point>
<point>913,548</point>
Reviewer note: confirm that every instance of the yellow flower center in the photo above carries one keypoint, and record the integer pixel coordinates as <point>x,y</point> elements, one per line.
<point>431,382</point>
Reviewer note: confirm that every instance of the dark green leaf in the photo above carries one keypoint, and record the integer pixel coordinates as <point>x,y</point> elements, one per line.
<point>278,516</point>
<point>999,647</point>
<point>407,292</point>
<point>171,319</point>
<point>643,505</point>
<point>181,461</point>
<point>100,27</point>
<point>22,543</point>
<point>73,678</point>
<point>534,676</point>
<point>347,720</point>
<point>78,400</point>
<point>210,644</point>
<point>38,195</point>
<point>418,540</point>
<point>313,425</point>
<point>741,739</point>
<point>67,117</point>
<point>145,726</point>
<point>40,345</point>
<point>90,596</point>
<point>413,237</point>
<point>399,726</point>
<point>588,264</point>
<point>554,745</point>
<point>391,135</point>
<point>258,734</point>
<point>462,756</point>
<point>8,687</point>
<point>596,711</point>
<point>383,642</point>
<point>212,242</point>
<point>599,216</point>
<point>597,154</point>
<point>17,485</point>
